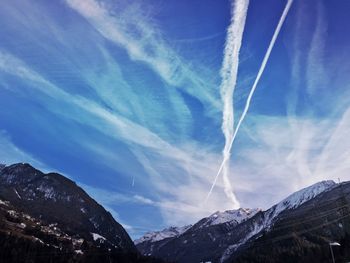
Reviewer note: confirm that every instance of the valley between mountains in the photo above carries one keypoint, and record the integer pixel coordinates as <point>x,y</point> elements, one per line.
<point>48,218</point>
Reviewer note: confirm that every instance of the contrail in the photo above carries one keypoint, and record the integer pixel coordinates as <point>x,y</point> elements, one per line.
<point>229,78</point>
<point>251,93</point>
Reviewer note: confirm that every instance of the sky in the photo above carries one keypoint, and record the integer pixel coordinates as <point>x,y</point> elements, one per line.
<point>138,101</point>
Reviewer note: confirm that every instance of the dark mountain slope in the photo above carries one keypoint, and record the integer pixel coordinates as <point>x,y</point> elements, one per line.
<point>304,234</point>
<point>310,207</point>
<point>48,218</point>
<point>201,242</point>
<point>56,199</point>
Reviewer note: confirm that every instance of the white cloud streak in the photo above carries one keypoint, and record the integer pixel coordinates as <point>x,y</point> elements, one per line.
<point>117,125</point>
<point>316,80</point>
<point>315,71</point>
<point>190,167</point>
<point>251,93</point>
<point>129,29</point>
<point>272,158</point>
<point>229,73</point>
<point>276,160</point>
<point>10,153</point>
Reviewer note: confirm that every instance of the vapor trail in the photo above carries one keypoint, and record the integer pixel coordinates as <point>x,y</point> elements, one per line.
<point>228,74</point>
<point>251,93</point>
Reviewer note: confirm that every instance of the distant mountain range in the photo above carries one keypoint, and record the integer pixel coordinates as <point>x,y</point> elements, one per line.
<point>48,218</point>
<point>297,229</point>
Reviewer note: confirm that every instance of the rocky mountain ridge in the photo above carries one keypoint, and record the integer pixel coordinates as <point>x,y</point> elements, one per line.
<point>58,220</point>
<point>220,242</point>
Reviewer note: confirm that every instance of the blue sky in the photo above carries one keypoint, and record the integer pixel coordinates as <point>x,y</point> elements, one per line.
<point>126,98</point>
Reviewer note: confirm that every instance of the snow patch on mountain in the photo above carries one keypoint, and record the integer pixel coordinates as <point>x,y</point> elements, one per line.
<point>237,216</point>
<point>48,191</point>
<point>4,202</point>
<point>96,237</point>
<point>256,229</point>
<point>291,202</point>
<point>233,216</point>
<point>163,234</point>
<point>297,199</point>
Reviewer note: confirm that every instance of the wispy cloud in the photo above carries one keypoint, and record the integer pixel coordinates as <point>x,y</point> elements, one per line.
<point>138,102</point>
<point>181,189</point>
<point>274,158</point>
<point>176,211</point>
<point>102,71</point>
<point>194,163</point>
<point>112,124</point>
<point>111,104</point>
<point>10,153</point>
<point>130,29</point>
<point>315,71</point>
<point>334,159</point>
<point>311,92</point>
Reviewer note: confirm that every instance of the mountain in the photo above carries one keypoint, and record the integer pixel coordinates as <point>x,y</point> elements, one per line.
<point>197,241</point>
<point>224,240</point>
<point>230,216</point>
<point>160,235</point>
<point>45,217</point>
<point>303,234</point>
<point>48,218</point>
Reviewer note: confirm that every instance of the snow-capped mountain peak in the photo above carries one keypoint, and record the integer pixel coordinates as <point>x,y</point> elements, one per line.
<point>291,202</point>
<point>163,234</point>
<point>235,216</point>
<point>226,232</point>
<point>298,198</point>
<point>295,200</point>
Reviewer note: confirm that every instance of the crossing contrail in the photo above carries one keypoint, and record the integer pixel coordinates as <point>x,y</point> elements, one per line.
<point>251,93</point>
